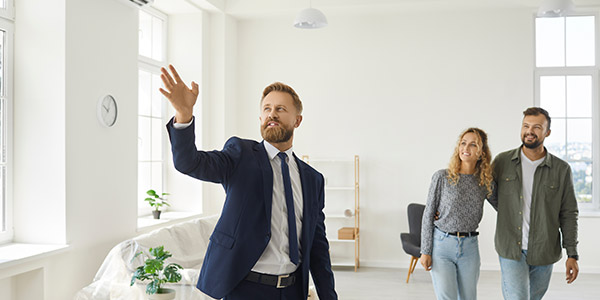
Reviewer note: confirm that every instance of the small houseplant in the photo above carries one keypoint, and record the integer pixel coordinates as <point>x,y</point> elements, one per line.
<point>157,201</point>
<point>154,269</point>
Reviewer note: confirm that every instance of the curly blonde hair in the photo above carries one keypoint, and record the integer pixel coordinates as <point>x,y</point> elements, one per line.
<point>483,167</point>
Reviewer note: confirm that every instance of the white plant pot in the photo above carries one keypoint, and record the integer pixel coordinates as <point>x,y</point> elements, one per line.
<point>168,294</point>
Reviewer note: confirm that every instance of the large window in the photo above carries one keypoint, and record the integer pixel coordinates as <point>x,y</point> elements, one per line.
<point>6,98</point>
<point>151,107</point>
<point>567,86</point>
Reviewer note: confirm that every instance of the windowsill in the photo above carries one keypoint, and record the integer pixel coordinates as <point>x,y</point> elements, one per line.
<point>18,253</point>
<point>166,218</point>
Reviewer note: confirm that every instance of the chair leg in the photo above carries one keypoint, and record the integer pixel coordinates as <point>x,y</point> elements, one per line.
<point>411,267</point>
<point>416,259</point>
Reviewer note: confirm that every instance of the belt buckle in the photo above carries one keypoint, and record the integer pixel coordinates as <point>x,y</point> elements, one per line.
<point>279,277</point>
<point>459,236</point>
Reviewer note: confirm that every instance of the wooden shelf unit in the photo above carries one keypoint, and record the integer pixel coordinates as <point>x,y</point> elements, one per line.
<point>331,217</point>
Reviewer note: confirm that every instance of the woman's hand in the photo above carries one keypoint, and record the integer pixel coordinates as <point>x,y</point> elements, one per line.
<point>426,261</point>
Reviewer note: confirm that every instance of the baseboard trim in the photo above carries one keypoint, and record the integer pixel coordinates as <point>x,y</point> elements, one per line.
<point>484,267</point>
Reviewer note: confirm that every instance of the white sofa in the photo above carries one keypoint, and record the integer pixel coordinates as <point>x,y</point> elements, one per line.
<point>186,241</point>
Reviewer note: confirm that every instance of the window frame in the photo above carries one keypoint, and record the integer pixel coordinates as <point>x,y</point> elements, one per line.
<point>7,24</point>
<point>594,72</point>
<point>148,60</point>
<point>153,66</point>
<point>9,11</point>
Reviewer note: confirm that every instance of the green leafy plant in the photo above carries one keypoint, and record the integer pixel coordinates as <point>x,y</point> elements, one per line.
<point>155,200</point>
<point>154,269</point>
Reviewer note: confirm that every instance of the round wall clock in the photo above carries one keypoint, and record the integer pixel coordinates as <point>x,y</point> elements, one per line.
<point>107,111</point>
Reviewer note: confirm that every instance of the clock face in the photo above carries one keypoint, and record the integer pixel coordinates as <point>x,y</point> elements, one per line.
<point>107,110</point>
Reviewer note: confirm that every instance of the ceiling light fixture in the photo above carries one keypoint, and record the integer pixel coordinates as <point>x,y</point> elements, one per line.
<point>310,18</point>
<point>555,8</point>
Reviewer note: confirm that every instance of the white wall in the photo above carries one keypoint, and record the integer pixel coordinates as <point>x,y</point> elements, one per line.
<point>39,146</point>
<point>219,95</point>
<point>397,89</point>
<point>75,180</point>
<point>185,53</point>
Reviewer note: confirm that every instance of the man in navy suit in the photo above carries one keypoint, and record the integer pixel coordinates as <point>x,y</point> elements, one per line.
<point>256,251</point>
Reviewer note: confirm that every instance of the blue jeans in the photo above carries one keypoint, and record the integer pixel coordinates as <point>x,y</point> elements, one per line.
<point>455,266</point>
<point>520,281</point>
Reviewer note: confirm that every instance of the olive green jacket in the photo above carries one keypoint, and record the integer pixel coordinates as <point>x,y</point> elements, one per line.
<point>553,209</point>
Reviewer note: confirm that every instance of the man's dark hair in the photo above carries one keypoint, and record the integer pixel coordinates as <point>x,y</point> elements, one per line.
<point>536,111</point>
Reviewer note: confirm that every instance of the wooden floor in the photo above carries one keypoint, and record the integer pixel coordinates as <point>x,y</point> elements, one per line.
<point>384,283</point>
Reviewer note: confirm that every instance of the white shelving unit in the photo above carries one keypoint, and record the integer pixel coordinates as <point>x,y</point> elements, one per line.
<point>342,206</point>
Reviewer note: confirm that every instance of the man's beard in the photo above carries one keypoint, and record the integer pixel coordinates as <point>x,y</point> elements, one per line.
<point>536,143</point>
<point>276,134</point>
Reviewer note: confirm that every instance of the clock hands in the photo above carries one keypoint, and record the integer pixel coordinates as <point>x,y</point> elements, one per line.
<point>107,110</point>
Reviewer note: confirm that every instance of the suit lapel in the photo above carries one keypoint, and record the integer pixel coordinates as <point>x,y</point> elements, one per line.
<point>267,175</point>
<point>307,186</point>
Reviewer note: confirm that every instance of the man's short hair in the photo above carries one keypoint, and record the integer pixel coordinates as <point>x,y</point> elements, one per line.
<point>536,111</point>
<point>282,87</point>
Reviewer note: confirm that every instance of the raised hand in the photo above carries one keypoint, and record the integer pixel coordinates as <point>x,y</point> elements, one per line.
<point>181,97</point>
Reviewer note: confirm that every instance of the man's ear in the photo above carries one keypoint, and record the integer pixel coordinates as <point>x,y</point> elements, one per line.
<point>548,133</point>
<point>298,121</point>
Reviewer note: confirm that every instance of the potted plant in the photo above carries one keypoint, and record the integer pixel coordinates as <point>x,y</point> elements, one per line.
<point>157,201</point>
<point>154,269</point>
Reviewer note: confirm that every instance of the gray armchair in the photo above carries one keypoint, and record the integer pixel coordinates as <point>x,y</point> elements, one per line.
<point>411,242</point>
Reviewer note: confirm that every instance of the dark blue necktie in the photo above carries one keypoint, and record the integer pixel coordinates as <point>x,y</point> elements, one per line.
<point>289,202</point>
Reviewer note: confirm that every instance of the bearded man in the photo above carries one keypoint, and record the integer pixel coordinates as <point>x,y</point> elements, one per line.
<point>271,231</point>
<point>537,212</point>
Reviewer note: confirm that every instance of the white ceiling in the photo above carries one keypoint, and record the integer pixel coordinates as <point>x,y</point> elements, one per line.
<point>259,8</point>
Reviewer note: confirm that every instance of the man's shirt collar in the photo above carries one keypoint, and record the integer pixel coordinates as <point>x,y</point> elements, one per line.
<point>272,151</point>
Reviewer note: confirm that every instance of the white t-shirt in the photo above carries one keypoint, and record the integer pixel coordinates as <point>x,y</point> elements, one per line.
<point>528,170</point>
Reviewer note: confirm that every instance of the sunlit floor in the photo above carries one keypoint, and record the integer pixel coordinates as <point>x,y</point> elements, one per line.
<point>384,283</point>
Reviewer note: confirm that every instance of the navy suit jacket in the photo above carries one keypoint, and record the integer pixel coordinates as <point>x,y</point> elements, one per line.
<point>244,227</point>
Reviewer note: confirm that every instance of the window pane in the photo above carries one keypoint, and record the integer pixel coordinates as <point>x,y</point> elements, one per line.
<point>2,130</point>
<point>157,32</point>
<point>157,126</point>
<point>2,42</point>
<point>579,139</point>
<point>144,180</point>
<point>157,99</point>
<point>144,139</point>
<point>552,95</point>
<point>149,177</point>
<point>145,88</point>
<point>580,41</point>
<point>582,181</point>
<point>145,34</point>
<point>157,177</point>
<point>3,198</point>
<point>555,143</point>
<point>579,96</point>
<point>550,42</point>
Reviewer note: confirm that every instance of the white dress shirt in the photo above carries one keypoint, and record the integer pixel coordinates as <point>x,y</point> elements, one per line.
<point>276,259</point>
